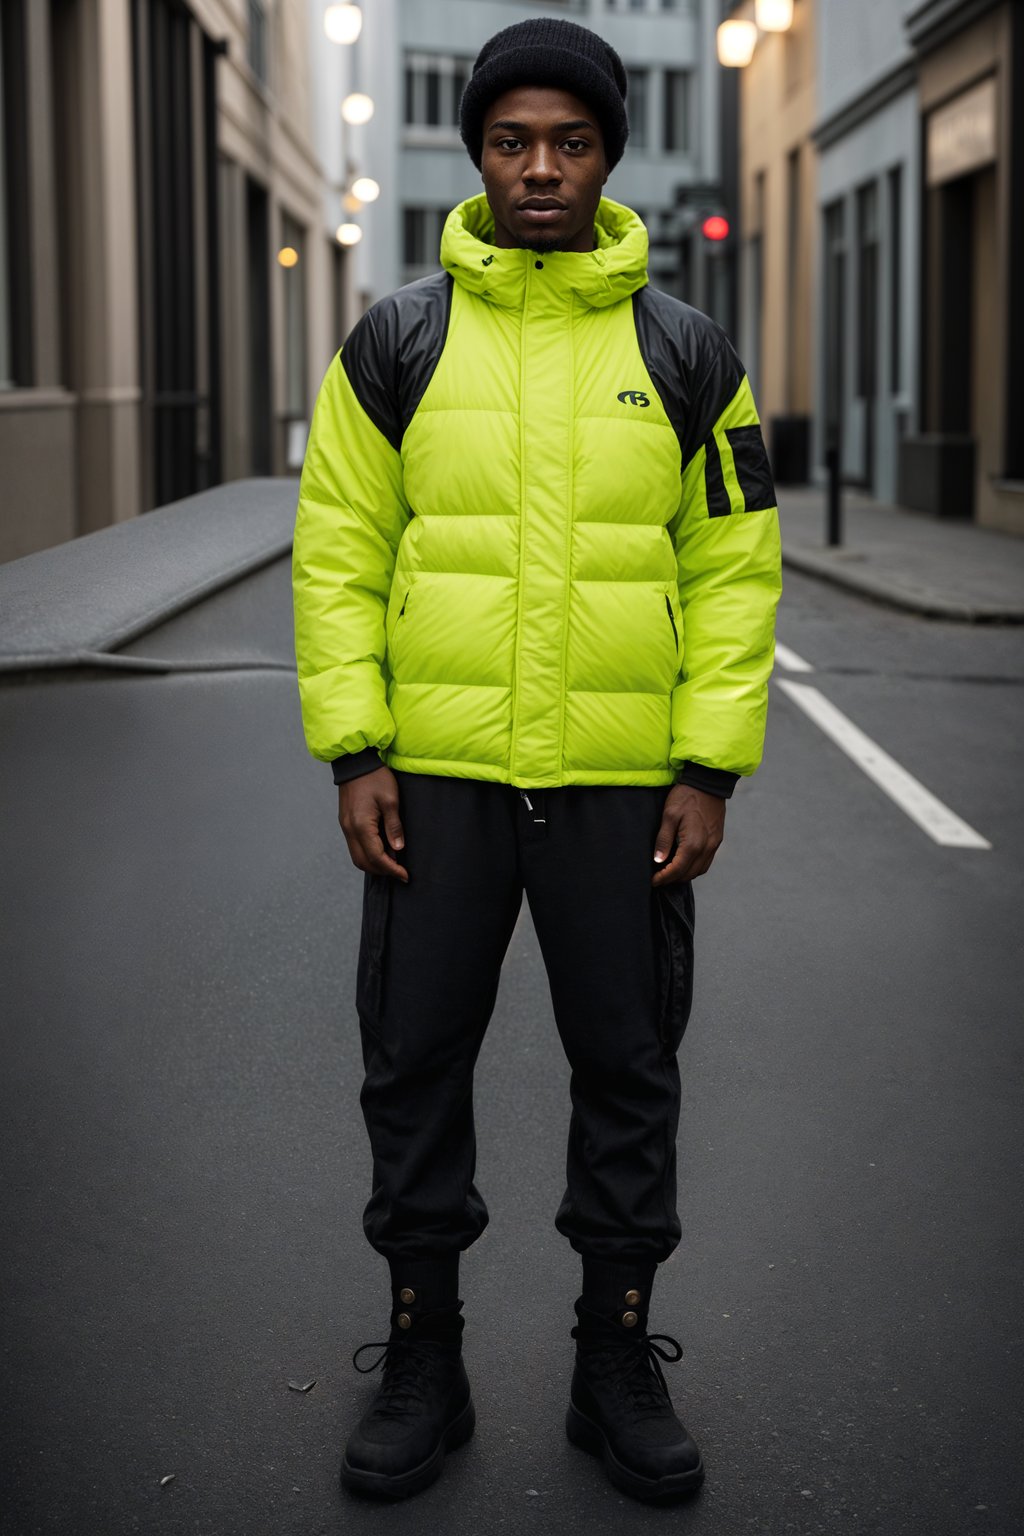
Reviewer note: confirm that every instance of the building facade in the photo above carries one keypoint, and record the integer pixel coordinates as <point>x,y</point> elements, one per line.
<point>417,56</point>
<point>966,457</point>
<point>166,254</point>
<point>866,138</point>
<point>778,103</point>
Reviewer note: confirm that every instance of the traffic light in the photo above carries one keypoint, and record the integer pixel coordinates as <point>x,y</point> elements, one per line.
<point>715,227</point>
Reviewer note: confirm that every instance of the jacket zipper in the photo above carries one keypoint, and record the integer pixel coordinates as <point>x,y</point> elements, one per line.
<point>672,620</point>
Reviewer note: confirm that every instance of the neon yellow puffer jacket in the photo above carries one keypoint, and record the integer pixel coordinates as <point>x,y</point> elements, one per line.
<point>536,539</point>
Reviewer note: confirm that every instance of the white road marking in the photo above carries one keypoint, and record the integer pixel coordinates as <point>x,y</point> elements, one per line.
<point>790,660</point>
<point>941,824</point>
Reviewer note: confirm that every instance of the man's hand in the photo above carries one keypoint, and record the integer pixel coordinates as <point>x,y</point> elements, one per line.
<point>363,804</point>
<point>697,821</point>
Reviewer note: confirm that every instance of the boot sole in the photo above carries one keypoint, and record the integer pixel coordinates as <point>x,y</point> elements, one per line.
<point>377,1485</point>
<point>588,1436</point>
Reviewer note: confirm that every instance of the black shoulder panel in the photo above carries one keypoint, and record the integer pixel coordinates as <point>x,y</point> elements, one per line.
<point>391,353</point>
<point>691,361</point>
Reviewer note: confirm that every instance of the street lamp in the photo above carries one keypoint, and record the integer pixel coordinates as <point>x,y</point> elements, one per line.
<point>357,108</point>
<point>736,41</point>
<point>343,23</point>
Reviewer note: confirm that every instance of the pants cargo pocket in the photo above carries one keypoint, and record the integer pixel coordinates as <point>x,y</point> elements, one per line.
<point>372,943</point>
<point>675,911</point>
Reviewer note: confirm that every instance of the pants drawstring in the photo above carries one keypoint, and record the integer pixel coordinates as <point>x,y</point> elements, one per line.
<point>540,820</point>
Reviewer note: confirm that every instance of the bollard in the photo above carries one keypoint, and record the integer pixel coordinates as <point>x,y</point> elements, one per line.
<point>834,505</point>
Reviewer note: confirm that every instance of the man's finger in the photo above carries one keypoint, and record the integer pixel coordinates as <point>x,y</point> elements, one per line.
<point>667,833</point>
<point>376,857</point>
<point>687,857</point>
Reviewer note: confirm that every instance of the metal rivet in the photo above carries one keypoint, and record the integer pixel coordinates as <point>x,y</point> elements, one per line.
<point>632,1298</point>
<point>405,1321</point>
<point>410,1296</point>
<point>629,1319</point>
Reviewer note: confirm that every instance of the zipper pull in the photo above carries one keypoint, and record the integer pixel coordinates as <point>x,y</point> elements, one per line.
<point>529,803</point>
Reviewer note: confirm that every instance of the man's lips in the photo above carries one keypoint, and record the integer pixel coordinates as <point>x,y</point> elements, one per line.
<point>540,211</point>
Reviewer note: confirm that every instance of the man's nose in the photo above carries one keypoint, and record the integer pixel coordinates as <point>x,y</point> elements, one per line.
<point>542,165</point>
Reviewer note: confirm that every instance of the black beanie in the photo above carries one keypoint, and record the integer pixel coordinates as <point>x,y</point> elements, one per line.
<point>549,52</point>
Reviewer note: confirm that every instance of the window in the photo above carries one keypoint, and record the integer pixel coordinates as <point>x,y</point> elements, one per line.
<point>258,39</point>
<point>636,107</point>
<point>293,235</point>
<point>651,6</point>
<point>421,240</point>
<point>15,269</point>
<point>867,290</point>
<point>677,105</point>
<point>793,283</point>
<point>895,182</point>
<point>434,83</point>
<point>834,307</point>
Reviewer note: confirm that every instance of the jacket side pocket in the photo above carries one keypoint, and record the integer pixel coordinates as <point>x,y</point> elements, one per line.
<point>372,949</point>
<point>676,913</point>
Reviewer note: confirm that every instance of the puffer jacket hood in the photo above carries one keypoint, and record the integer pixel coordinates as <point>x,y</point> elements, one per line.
<point>614,270</point>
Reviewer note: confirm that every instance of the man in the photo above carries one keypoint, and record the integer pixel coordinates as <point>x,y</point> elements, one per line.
<point>536,570</point>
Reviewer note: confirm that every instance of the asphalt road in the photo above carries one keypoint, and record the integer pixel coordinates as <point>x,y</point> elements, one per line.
<point>185,1165</point>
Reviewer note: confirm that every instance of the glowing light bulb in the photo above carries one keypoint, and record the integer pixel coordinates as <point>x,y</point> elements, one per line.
<point>774,15</point>
<point>343,23</point>
<point>348,234</point>
<point>736,40</point>
<point>366,189</point>
<point>357,108</point>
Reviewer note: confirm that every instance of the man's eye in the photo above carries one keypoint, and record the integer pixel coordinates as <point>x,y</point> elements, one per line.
<point>576,144</point>
<point>503,143</point>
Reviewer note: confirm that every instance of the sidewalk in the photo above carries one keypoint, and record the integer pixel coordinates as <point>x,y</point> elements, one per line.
<point>941,570</point>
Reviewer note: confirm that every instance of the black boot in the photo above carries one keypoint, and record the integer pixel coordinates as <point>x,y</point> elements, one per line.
<point>619,1407</point>
<point>423,1408</point>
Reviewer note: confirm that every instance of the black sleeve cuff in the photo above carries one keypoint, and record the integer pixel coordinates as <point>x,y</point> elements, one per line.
<point>711,781</point>
<point>354,764</point>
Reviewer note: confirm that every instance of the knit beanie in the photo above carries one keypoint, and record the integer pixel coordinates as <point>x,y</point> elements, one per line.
<point>548,52</point>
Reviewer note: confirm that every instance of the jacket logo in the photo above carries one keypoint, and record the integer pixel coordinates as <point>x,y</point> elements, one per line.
<point>632,397</point>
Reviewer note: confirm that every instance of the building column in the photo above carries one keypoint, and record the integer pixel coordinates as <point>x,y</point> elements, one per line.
<point>107,283</point>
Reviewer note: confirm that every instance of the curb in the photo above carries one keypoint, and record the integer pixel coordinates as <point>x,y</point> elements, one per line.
<point>926,605</point>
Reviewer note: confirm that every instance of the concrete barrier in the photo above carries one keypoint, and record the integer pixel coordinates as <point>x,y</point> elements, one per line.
<point>76,603</point>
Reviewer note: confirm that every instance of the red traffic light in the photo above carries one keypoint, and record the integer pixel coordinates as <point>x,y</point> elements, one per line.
<point>715,227</point>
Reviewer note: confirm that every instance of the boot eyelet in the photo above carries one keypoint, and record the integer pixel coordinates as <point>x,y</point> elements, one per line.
<point>629,1319</point>
<point>632,1298</point>
<point>407,1296</point>
<point>404,1320</point>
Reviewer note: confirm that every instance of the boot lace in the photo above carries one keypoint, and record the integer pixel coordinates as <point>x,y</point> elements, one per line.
<point>632,1366</point>
<point>410,1366</point>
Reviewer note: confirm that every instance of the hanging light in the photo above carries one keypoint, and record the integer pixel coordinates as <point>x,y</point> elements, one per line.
<point>288,256</point>
<point>736,40</point>
<point>366,189</point>
<point>343,23</point>
<point>348,234</point>
<point>774,15</point>
<point>351,203</point>
<point>357,108</point>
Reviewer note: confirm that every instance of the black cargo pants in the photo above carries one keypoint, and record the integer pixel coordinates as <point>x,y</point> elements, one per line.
<point>619,957</point>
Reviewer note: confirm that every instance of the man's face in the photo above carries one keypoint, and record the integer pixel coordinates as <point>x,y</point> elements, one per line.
<point>543,168</point>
